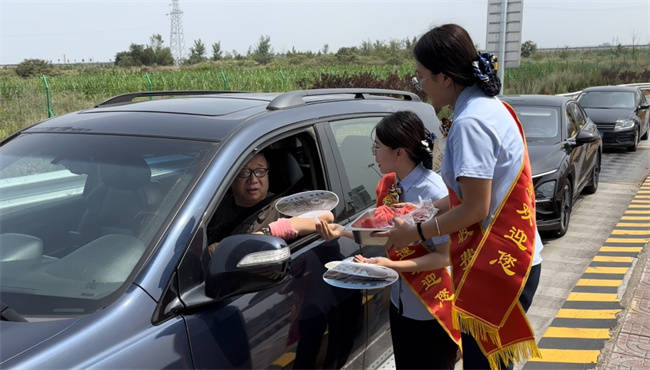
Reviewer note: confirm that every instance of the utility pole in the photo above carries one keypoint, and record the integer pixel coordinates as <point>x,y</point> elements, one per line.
<point>176,32</point>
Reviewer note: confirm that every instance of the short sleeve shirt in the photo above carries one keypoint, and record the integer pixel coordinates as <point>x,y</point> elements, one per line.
<point>484,142</point>
<point>420,183</point>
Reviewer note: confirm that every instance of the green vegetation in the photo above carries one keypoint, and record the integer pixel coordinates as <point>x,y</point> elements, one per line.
<point>389,65</point>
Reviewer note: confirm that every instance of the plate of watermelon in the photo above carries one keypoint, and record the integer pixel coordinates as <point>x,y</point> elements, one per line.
<point>381,219</point>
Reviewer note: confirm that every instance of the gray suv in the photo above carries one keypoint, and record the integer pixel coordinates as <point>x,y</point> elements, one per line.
<point>103,217</point>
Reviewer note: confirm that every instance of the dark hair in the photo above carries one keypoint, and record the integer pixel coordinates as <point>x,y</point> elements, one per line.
<point>450,50</point>
<point>405,129</point>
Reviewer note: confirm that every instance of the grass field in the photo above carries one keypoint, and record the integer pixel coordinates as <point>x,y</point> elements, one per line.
<point>23,101</point>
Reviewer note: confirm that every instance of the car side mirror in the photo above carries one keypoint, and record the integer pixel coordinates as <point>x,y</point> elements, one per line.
<point>246,263</point>
<point>587,136</point>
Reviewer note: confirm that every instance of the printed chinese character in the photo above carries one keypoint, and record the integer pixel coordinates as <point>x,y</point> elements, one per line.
<point>404,252</point>
<point>431,280</point>
<point>526,214</point>
<point>463,234</point>
<point>518,237</point>
<point>466,258</point>
<point>444,296</point>
<point>506,261</point>
<point>531,192</point>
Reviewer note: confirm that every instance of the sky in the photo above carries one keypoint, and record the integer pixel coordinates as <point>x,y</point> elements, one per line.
<point>95,30</point>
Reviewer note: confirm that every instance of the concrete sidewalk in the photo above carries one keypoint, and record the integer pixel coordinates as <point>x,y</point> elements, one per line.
<point>629,345</point>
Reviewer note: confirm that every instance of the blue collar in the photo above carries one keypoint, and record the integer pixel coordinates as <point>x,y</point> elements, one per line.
<point>463,98</point>
<point>412,178</point>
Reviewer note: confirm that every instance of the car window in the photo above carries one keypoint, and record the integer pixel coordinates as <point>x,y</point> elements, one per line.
<point>607,99</point>
<point>539,122</point>
<point>79,211</point>
<point>248,206</point>
<point>354,142</point>
<point>580,118</point>
<point>572,126</point>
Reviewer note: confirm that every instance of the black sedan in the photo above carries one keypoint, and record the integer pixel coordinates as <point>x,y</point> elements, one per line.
<point>621,113</point>
<point>565,151</point>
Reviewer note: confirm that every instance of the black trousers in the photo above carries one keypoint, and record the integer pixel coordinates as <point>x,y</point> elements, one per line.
<point>473,358</point>
<point>420,344</point>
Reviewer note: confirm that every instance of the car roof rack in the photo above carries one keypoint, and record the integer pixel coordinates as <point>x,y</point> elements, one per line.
<point>296,98</point>
<point>128,98</point>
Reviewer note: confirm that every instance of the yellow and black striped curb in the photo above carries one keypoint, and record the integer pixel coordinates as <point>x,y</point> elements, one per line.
<point>582,326</point>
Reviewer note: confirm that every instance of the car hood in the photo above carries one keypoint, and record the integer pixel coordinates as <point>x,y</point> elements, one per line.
<point>599,115</point>
<point>545,157</point>
<point>19,337</point>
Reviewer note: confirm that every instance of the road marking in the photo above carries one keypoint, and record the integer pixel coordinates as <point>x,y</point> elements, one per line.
<point>637,212</point>
<point>620,249</point>
<point>613,259</point>
<point>554,332</point>
<point>642,197</point>
<point>635,218</point>
<point>631,232</point>
<point>598,282</point>
<point>570,313</point>
<point>643,201</point>
<point>574,356</point>
<point>633,224</point>
<point>627,240</point>
<point>285,359</point>
<point>592,297</point>
<point>606,270</point>
<point>639,206</point>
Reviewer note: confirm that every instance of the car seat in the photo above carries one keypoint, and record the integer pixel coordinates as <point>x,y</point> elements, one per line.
<point>124,193</point>
<point>285,175</point>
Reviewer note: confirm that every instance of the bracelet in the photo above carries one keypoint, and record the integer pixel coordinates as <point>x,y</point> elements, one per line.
<point>419,227</point>
<point>437,225</point>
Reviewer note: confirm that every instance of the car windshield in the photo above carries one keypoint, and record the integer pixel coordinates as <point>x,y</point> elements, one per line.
<point>540,123</point>
<point>607,99</point>
<point>78,213</point>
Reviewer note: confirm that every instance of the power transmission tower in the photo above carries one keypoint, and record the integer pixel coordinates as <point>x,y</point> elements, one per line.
<point>176,32</point>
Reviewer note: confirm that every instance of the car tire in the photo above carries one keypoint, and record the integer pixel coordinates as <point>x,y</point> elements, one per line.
<point>632,148</point>
<point>565,210</point>
<point>592,186</point>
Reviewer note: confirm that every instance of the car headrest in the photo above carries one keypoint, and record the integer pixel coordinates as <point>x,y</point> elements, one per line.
<point>285,170</point>
<point>124,175</point>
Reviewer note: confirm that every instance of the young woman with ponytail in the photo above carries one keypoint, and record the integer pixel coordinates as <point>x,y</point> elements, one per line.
<point>490,210</point>
<point>421,327</point>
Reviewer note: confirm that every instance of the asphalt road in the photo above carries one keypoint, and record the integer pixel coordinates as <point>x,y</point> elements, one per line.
<point>593,219</point>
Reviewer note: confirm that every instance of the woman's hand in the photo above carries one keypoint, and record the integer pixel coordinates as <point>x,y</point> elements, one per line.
<point>380,261</point>
<point>329,231</point>
<point>401,235</point>
<point>328,217</point>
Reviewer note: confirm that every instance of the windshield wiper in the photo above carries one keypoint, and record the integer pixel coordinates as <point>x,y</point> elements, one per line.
<point>8,314</point>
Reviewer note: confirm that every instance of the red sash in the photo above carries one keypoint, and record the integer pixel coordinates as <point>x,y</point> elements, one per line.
<point>500,257</point>
<point>433,288</point>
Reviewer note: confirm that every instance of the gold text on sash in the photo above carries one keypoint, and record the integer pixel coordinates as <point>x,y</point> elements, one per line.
<point>518,237</point>
<point>404,252</point>
<point>466,258</point>
<point>507,261</point>
<point>463,234</point>
<point>526,214</point>
<point>444,296</point>
<point>431,280</point>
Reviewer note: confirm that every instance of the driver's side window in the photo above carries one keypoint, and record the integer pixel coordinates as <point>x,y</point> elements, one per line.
<point>282,168</point>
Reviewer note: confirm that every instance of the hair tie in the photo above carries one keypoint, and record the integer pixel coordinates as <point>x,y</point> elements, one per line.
<point>485,67</point>
<point>428,140</point>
